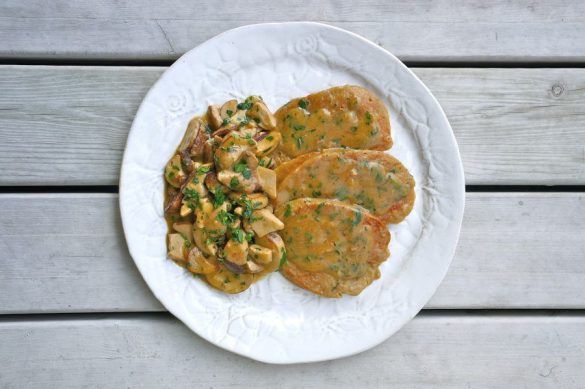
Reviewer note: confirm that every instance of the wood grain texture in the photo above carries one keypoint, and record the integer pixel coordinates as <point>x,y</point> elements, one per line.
<point>516,251</point>
<point>513,126</point>
<point>154,351</point>
<point>416,30</point>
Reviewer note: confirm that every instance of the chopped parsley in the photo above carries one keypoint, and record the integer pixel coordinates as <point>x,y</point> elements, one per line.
<point>299,142</point>
<point>202,169</point>
<point>283,257</point>
<point>358,217</point>
<point>287,211</point>
<point>298,127</point>
<point>229,112</point>
<point>242,167</point>
<point>239,235</point>
<point>368,118</point>
<point>303,103</point>
<point>191,194</point>
<point>234,183</point>
<point>218,197</point>
<point>245,105</point>
<point>225,217</point>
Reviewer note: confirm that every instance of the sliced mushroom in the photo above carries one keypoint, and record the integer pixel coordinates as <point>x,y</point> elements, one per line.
<point>268,144</point>
<point>197,178</point>
<point>264,222</point>
<point>185,210</point>
<point>199,264</point>
<point>267,162</point>
<point>237,181</point>
<point>209,150</point>
<point>198,144</point>
<point>173,205</point>
<point>259,254</point>
<point>203,212</point>
<point>174,173</point>
<point>262,115</point>
<point>237,269</point>
<point>267,181</point>
<point>202,242</point>
<point>228,109</point>
<point>213,184</point>
<point>274,242</point>
<point>258,200</point>
<point>214,116</point>
<point>230,150</point>
<point>177,247</point>
<point>253,267</point>
<point>214,227</point>
<point>236,252</point>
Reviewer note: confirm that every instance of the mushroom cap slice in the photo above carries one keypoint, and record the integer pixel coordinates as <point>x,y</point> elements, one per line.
<point>274,242</point>
<point>333,248</point>
<point>229,282</point>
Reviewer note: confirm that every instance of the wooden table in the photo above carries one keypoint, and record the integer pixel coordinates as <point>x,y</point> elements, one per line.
<point>75,311</point>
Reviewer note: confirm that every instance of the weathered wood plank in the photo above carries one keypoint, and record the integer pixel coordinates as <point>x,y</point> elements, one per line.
<point>417,30</point>
<point>513,126</point>
<point>66,253</point>
<point>153,351</point>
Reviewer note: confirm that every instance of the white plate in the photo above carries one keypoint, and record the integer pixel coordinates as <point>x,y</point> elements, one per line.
<point>274,321</point>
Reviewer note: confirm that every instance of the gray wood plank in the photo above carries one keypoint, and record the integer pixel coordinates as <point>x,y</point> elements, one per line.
<point>513,126</point>
<point>66,253</point>
<point>155,351</point>
<point>417,30</point>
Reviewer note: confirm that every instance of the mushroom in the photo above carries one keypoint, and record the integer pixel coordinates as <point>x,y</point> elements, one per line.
<point>267,181</point>
<point>258,200</point>
<point>253,267</point>
<point>230,150</point>
<point>198,144</point>
<point>186,209</point>
<point>214,116</point>
<point>237,269</point>
<point>236,252</point>
<point>197,262</point>
<point>174,173</point>
<point>268,144</point>
<point>267,162</point>
<point>194,138</point>
<point>209,150</point>
<point>228,109</point>
<point>262,115</point>
<point>213,184</point>
<point>237,181</point>
<point>177,247</point>
<point>214,225</point>
<point>274,242</point>
<point>259,254</point>
<point>203,212</point>
<point>173,204</point>
<point>201,241</point>
<point>264,222</point>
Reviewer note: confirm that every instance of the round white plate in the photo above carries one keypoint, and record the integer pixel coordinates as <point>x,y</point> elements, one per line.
<point>274,321</point>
